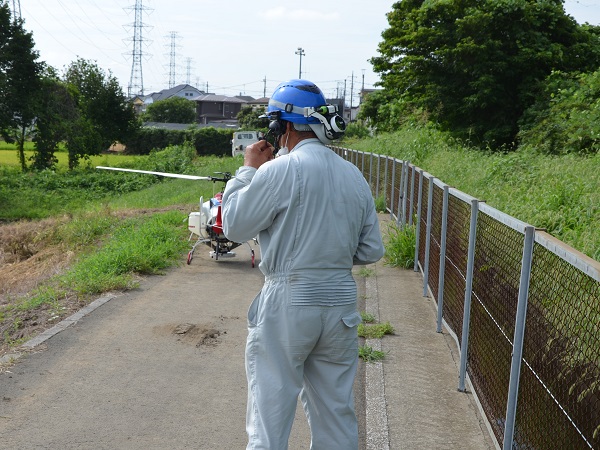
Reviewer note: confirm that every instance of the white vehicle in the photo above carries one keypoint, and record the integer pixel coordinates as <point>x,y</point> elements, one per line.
<point>242,139</point>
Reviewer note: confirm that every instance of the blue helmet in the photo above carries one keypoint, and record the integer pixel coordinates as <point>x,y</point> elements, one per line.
<point>292,97</point>
<point>302,103</point>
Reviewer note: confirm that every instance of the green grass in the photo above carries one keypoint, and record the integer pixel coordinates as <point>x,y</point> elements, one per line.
<point>366,272</point>
<point>557,193</point>
<point>9,157</point>
<point>400,246</point>
<point>367,317</point>
<point>141,245</point>
<point>375,331</point>
<point>53,193</point>
<point>369,355</point>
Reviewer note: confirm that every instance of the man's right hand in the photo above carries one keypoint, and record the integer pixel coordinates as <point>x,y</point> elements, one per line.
<point>258,153</point>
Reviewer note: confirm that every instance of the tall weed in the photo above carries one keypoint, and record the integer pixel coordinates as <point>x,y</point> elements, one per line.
<point>556,193</point>
<point>400,246</point>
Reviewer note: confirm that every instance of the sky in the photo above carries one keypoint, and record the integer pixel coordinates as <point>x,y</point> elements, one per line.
<point>227,47</point>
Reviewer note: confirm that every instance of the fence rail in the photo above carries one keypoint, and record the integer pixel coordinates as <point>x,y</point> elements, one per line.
<point>523,306</point>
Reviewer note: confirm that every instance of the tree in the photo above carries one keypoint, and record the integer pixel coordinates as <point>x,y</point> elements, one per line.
<point>570,120</point>
<point>248,118</point>
<point>56,113</point>
<point>19,81</point>
<point>476,66</point>
<point>106,116</point>
<point>171,110</point>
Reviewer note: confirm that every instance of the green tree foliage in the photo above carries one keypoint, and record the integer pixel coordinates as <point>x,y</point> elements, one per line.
<point>475,67</point>
<point>206,140</point>
<point>19,81</point>
<point>248,118</point>
<point>106,116</point>
<point>56,112</point>
<point>571,122</point>
<point>171,110</point>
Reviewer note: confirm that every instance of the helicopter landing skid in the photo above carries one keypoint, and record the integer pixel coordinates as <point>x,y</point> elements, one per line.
<point>212,254</point>
<point>217,253</point>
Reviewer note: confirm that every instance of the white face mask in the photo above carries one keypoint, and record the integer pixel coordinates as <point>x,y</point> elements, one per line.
<point>284,150</point>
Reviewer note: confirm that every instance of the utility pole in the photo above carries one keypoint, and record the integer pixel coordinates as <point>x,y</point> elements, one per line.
<point>136,80</point>
<point>300,52</point>
<point>362,90</point>
<point>344,102</point>
<point>351,94</point>
<point>265,86</point>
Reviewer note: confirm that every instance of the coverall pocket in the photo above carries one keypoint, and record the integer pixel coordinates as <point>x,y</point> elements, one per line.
<point>345,344</point>
<point>352,320</point>
<point>253,311</point>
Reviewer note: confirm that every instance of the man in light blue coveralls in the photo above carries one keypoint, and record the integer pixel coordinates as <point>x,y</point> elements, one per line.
<point>315,217</point>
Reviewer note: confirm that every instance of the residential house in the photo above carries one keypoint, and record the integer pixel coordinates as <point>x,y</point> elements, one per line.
<point>217,108</point>
<point>182,90</point>
<point>141,102</point>
<point>259,102</point>
<point>138,104</point>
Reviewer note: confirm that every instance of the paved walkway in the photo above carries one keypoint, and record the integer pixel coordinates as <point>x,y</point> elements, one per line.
<point>162,367</point>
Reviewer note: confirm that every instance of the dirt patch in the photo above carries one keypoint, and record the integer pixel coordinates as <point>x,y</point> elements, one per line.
<point>200,335</point>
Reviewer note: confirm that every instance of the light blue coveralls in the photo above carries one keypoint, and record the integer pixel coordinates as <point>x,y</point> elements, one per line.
<point>315,217</point>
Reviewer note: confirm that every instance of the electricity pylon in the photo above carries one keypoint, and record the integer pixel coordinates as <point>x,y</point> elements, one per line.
<point>136,81</point>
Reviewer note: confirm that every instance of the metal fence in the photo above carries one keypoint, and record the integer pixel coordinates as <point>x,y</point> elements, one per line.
<point>523,307</point>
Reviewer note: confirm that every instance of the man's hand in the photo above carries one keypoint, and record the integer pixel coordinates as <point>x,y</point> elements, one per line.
<point>258,153</point>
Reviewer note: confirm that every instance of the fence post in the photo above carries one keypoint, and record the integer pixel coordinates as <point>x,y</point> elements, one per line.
<point>392,188</point>
<point>428,236</point>
<point>385,182</point>
<point>378,176</point>
<point>362,162</point>
<point>412,194</point>
<point>371,173</point>
<point>468,292</point>
<point>418,228</point>
<point>403,188</point>
<point>517,354</point>
<point>400,216</point>
<point>440,298</point>
<point>405,192</point>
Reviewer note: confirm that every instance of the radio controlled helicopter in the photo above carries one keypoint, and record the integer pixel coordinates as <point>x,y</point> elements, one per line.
<point>206,224</point>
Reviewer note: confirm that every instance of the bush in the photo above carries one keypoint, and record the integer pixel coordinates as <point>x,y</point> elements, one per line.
<point>206,141</point>
<point>567,118</point>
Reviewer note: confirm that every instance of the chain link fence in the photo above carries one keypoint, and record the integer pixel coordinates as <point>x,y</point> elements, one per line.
<point>523,307</point>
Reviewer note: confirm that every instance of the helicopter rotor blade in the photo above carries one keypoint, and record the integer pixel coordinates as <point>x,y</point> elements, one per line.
<point>162,174</point>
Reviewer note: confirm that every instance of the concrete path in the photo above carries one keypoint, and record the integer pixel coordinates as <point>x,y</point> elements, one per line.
<point>162,367</point>
<point>423,408</point>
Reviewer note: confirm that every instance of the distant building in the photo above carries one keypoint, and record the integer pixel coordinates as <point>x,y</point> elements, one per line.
<point>218,108</point>
<point>259,102</point>
<point>247,98</point>
<point>183,90</point>
<point>141,102</point>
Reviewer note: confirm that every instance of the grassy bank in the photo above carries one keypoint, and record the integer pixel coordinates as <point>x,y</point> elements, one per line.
<point>560,194</point>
